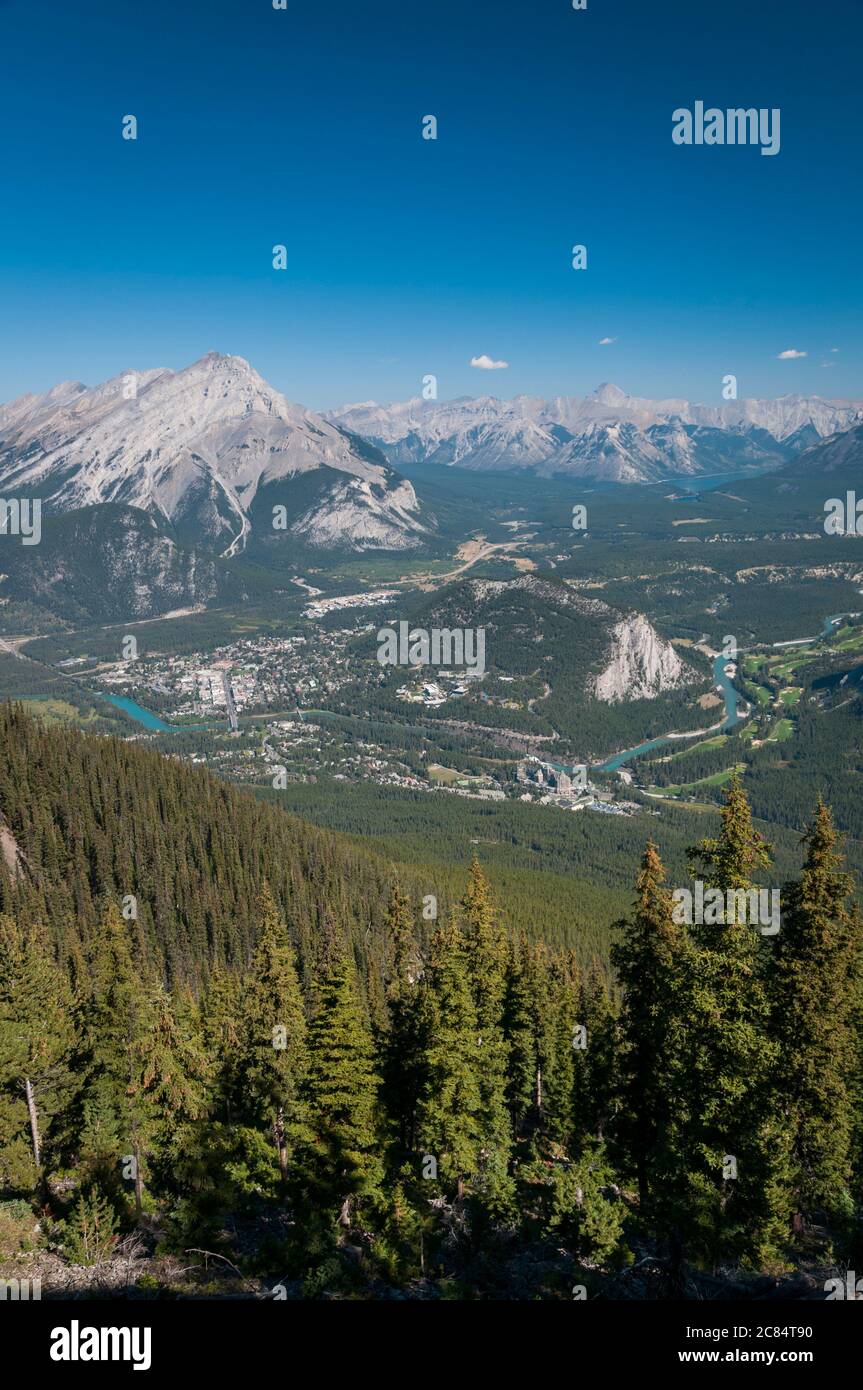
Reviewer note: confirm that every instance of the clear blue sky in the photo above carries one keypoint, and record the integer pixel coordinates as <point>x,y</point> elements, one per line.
<point>407,256</point>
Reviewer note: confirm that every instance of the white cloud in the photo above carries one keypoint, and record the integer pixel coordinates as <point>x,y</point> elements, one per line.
<point>790,353</point>
<point>487,364</point>
<point>603,342</point>
<point>834,349</point>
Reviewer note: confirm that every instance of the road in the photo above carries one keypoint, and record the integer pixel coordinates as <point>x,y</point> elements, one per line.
<point>229,701</point>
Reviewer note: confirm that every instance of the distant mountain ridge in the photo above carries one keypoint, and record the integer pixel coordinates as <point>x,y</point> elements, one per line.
<point>841,453</point>
<point>607,435</point>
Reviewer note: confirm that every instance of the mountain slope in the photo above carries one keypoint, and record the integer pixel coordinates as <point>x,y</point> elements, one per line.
<point>616,656</point>
<point>103,564</point>
<point>195,447</point>
<point>841,454</point>
<point>795,497</point>
<point>194,852</point>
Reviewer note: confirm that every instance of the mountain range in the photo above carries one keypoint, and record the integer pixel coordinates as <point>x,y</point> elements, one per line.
<point>217,458</point>
<point>607,435</point>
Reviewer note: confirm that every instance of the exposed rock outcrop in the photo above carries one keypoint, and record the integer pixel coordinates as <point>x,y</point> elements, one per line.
<point>642,664</point>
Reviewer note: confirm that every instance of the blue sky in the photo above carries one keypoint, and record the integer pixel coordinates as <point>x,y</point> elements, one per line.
<point>408,256</point>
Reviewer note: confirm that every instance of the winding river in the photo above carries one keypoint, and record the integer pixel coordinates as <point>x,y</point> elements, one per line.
<point>732,701</point>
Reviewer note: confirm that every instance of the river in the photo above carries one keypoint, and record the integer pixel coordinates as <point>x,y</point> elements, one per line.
<point>148,718</point>
<point>730,695</point>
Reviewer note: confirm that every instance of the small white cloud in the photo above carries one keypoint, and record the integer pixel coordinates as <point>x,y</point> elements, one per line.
<point>487,363</point>
<point>604,342</point>
<point>790,353</point>
<point>828,364</point>
<point>834,349</point>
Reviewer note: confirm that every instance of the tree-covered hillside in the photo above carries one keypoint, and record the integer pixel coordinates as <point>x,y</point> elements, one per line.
<point>227,1034</point>
<point>101,820</point>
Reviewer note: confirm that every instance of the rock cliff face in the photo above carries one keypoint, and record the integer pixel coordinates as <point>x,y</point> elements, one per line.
<point>642,665</point>
<point>10,851</point>
<point>363,517</point>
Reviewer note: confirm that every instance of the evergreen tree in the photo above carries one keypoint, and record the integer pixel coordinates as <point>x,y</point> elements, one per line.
<point>168,1080</point>
<point>271,1061</point>
<point>735,856</point>
<point>403,1042</point>
<point>559,1115</point>
<point>90,1232</point>
<point>448,1127</point>
<point>37,1031</point>
<point>596,1051</point>
<point>520,1031</point>
<point>817,973</point>
<point>220,1029</point>
<point>572,1202</point>
<point>119,1116</point>
<point>731,1149</point>
<point>649,960</point>
<point>342,1091</point>
<point>487,954</point>
<point>531,1027</point>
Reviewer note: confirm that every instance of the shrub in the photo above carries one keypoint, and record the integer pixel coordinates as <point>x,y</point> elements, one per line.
<point>19,1229</point>
<point>90,1232</point>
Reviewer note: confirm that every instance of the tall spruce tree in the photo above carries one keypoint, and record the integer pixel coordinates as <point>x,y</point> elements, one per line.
<point>649,959</point>
<point>37,1028</point>
<point>168,1077</point>
<point>448,1123</point>
<point>520,1031</point>
<point>342,1093</point>
<point>559,1119</point>
<point>120,1102</point>
<point>221,1012</point>
<point>272,1057</point>
<point>596,1054</point>
<point>487,954</point>
<point>531,1025</point>
<point>403,1041</point>
<point>115,1018</point>
<point>815,983</point>
<point>731,1151</point>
